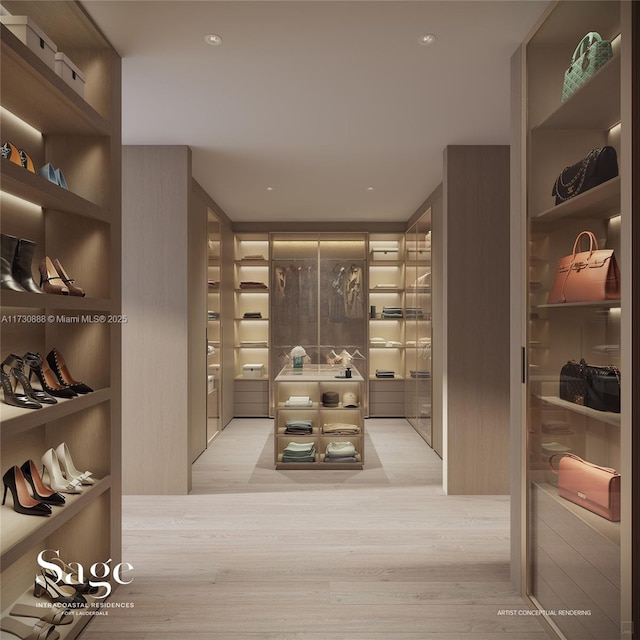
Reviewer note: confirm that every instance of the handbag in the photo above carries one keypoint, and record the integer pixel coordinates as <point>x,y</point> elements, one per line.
<point>585,276</point>
<point>588,485</point>
<point>591,53</point>
<point>599,166</point>
<point>593,386</point>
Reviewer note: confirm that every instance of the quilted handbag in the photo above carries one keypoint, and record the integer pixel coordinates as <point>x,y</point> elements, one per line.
<point>594,386</point>
<point>591,53</point>
<point>588,485</point>
<point>585,276</point>
<point>599,166</point>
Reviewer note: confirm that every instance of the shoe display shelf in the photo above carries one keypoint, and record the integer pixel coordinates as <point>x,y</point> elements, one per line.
<point>214,328</point>
<point>386,332</point>
<point>315,381</point>
<point>80,226</point>
<point>251,324</point>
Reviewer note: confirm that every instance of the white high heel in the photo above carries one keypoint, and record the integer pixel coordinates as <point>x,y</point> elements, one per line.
<point>57,481</point>
<point>69,469</point>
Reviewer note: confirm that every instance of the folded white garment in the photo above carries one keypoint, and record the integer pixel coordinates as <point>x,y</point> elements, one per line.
<point>341,449</point>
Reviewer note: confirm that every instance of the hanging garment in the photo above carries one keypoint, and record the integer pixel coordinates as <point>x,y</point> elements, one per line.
<point>336,299</point>
<point>280,284</point>
<point>354,307</point>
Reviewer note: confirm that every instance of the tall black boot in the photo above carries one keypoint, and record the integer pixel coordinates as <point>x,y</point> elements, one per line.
<point>9,248</point>
<point>22,265</point>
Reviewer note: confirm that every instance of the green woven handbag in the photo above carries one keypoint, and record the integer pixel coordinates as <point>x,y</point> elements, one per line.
<point>591,53</point>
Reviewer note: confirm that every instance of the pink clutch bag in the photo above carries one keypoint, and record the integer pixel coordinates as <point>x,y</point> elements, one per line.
<point>588,485</point>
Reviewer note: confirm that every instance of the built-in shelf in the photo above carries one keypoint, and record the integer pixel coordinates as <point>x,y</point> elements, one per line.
<point>602,416</point>
<point>594,303</point>
<point>28,300</point>
<point>20,533</point>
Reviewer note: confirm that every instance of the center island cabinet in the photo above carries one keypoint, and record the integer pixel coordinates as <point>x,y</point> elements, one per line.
<point>319,420</point>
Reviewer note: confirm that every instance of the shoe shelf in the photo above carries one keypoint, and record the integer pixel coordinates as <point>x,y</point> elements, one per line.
<point>34,188</point>
<point>34,91</point>
<point>21,533</point>
<point>14,420</point>
<point>26,300</point>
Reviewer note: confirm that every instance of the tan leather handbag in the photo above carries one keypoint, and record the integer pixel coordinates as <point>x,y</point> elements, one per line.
<point>588,485</point>
<point>586,276</point>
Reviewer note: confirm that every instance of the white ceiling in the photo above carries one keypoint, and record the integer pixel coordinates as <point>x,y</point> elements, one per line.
<point>319,100</point>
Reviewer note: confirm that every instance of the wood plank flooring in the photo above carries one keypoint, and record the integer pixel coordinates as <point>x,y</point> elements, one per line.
<point>259,554</point>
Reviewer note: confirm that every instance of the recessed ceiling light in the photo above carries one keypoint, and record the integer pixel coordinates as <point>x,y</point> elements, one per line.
<point>427,38</point>
<point>369,188</point>
<point>269,188</point>
<point>213,39</point>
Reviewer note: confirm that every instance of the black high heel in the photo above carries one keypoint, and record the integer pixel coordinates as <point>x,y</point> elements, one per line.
<point>22,500</point>
<point>40,490</point>
<point>35,394</point>
<point>70,576</point>
<point>10,396</point>
<point>59,366</point>
<point>39,368</point>
<point>45,584</point>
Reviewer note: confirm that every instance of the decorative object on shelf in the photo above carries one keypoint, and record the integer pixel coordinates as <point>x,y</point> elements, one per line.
<point>11,397</point>
<point>599,166</point>
<point>597,387</point>
<point>41,630</point>
<point>15,482</point>
<point>57,481</point>
<point>73,289</point>
<point>39,368</point>
<point>59,366</point>
<point>589,485</point>
<point>69,469</point>
<point>591,53</point>
<point>585,276</point>
<point>298,354</point>
<point>299,452</point>
<point>50,173</point>
<point>40,490</point>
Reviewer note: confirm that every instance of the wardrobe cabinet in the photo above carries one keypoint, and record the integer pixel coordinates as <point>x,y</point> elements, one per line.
<point>80,226</point>
<point>575,559</point>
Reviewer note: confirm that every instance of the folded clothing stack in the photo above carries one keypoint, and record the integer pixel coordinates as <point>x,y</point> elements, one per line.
<point>252,314</point>
<point>385,373</point>
<point>340,428</point>
<point>414,312</point>
<point>391,312</point>
<point>251,284</point>
<point>298,401</point>
<point>420,374</point>
<point>299,452</point>
<point>213,315</point>
<point>340,452</point>
<point>298,427</point>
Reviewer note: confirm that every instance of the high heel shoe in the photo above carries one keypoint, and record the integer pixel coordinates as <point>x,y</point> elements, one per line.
<point>22,500</point>
<point>21,267</point>
<point>69,469</point>
<point>57,481</point>
<point>39,368</point>
<point>40,490</point>
<point>45,584</point>
<point>48,273</point>
<point>18,373</point>
<point>10,396</point>
<point>70,575</point>
<point>59,366</point>
<point>40,631</point>
<point>73,290</point>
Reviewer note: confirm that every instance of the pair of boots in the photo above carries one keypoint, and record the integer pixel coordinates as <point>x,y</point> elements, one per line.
<point>17,255</point>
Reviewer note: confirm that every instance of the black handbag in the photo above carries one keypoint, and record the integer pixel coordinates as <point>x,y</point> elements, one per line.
<point>599,166</point>
<point>593,386</point>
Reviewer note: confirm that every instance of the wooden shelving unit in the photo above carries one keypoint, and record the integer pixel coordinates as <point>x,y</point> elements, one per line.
<point>81,227</point>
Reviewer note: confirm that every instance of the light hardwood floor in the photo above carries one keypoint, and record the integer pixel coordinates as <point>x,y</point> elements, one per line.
<point>259,554</point>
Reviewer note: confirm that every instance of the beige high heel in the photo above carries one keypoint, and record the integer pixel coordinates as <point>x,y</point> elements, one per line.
<point>73,289</point>
<point>48,273</point>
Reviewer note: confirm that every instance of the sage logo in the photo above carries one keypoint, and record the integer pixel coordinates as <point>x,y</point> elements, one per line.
<point>74,573</point>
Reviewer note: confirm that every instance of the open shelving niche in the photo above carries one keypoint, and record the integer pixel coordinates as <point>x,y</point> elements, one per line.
<point>564,538</point>
<point>81,227</point>
<point>214,328</point>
